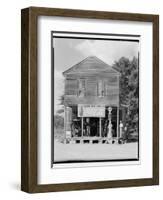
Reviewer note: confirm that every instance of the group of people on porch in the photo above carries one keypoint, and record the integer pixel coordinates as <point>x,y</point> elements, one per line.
<point>90,128</point>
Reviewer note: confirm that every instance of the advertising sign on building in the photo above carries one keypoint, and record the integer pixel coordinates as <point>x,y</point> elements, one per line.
<point>91,110</point>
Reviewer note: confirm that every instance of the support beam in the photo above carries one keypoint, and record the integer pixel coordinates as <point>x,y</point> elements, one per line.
<point>65,122</point>
<point>100,127</point>
<point>82,126</point>
<point>68,121</point>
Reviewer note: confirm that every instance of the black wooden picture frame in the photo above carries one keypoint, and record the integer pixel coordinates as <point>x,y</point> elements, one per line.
<point>29,85</point>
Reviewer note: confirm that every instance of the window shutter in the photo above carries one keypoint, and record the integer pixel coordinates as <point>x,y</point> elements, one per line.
<point>81,91</point>
<point>100,88</point>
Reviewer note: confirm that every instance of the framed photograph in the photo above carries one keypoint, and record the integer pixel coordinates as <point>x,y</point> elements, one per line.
<point>90,99</point>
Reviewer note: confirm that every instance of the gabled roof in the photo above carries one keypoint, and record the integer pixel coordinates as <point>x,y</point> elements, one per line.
<point>92,65</point>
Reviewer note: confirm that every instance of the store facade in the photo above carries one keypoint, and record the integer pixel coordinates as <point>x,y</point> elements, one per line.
<point>91,100</point>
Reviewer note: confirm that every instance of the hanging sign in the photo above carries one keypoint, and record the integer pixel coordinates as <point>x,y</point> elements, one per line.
<point>91,110</point>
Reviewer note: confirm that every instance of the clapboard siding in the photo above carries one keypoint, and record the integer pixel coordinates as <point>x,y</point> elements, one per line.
<point>90,65</point>
<point>71,87</point>
<point>91,82</point>
<point>112,100</point>
<point>109,86</point>
<point>95,75</point>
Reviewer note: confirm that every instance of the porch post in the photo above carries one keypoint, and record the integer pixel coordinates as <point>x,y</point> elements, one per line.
<point>68,121</point>
<point>82,126</point>
<point>100,126</point>
<point>65,121</point>
<point>117,122</point>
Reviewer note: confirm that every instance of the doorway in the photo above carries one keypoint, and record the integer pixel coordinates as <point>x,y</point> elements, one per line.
<point>94,127</point>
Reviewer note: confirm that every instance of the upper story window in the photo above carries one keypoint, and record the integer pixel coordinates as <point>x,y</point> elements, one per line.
<point>100,88</point>
<point>111,86</point>
<point>91,87</point>
<point>81,89</point>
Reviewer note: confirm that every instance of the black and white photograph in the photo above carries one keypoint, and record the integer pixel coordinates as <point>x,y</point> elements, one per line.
<point>89,99</point>
<point>95,97</point>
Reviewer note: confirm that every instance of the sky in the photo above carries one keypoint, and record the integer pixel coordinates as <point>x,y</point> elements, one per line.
<point>68,52</point>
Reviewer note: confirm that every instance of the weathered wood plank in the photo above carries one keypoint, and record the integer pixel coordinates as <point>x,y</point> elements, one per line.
<point>111,100</point>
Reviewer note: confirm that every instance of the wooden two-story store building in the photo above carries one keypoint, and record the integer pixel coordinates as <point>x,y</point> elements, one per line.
<point>91,101</point>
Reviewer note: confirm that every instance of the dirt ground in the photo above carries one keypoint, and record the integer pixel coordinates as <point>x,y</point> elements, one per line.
<point>84,152</point>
